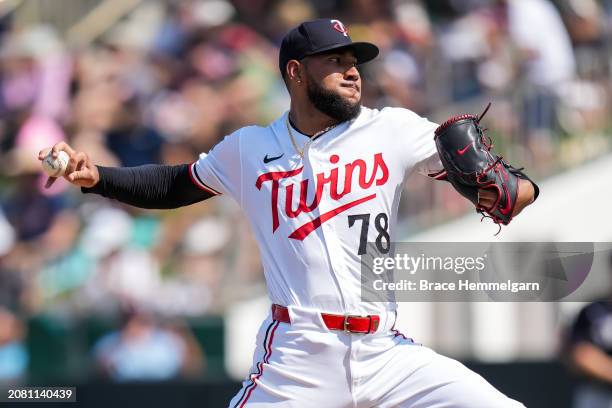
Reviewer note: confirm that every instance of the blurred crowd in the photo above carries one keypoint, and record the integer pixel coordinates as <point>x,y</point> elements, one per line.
<point>171,78</point>
<point>587,350</point>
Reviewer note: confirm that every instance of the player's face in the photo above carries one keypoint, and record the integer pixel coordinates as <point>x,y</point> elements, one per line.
<point>334,84</point>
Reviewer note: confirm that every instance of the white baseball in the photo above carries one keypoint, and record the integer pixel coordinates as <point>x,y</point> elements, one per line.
<point>56,167</point>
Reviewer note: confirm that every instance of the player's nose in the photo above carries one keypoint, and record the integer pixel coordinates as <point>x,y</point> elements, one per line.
<point>351,74</point>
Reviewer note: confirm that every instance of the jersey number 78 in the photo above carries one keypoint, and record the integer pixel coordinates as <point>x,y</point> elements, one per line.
<point>381,223</point>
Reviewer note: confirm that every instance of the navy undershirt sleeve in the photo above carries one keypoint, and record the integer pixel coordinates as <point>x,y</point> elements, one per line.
<point>150,186</point>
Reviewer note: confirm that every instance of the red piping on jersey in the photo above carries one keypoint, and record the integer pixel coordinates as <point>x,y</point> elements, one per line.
<point>307,228</point>
<point>266,360</point>
<point>198,182</point>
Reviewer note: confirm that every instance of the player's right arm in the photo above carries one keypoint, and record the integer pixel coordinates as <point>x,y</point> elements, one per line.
<point>148,186</point>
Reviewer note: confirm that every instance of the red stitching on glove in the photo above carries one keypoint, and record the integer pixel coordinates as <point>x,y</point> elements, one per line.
<point>452,120</point>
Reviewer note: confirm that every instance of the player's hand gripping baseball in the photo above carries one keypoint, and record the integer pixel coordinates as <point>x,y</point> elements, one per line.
<point>80,170</point>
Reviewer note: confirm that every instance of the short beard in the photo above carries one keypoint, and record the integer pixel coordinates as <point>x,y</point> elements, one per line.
<point>332,104</point>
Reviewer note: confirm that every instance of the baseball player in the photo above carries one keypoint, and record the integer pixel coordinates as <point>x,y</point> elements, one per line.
<point>318,184</point>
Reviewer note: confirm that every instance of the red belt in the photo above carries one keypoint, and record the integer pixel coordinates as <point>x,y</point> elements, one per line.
<point>347,323</point>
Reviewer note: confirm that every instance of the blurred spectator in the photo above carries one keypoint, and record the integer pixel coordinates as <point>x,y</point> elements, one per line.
<point>132,143</point>
<point>13,354</point>
<point>144,350</point>
<point>590,353</point>
<point>201,267</point>
<point>548,61</point>
<point>547,64</point>
<point>11,285</point>
<point>125,271</point>
<point>7,237</point>
<point>36,72</point>
<point>29,211</point>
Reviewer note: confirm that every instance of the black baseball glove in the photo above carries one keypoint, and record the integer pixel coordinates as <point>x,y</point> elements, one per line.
<point>470,165</point>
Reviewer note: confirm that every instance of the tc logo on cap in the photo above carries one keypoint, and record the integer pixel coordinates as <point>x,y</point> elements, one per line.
<point>338,26</point>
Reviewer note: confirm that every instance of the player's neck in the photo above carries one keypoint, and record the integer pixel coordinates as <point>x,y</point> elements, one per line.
<point>308,120</point>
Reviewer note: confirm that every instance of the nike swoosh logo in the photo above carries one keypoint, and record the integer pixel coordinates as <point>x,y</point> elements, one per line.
<point>462,151</point>
<point>270,159</point>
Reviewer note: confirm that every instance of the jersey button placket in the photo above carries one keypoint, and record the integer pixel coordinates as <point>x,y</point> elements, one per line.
<point>319,160</point>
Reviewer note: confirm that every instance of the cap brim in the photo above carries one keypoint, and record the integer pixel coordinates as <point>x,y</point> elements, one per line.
<point>364,51</point>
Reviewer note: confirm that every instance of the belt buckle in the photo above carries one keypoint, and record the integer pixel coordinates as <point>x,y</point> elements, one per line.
<point>345,323</point>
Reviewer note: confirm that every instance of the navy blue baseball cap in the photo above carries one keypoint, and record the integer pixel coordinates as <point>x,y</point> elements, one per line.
<point>318,36</point>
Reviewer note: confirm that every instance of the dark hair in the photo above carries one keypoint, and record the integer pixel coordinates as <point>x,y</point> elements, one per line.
<point>285,78</point>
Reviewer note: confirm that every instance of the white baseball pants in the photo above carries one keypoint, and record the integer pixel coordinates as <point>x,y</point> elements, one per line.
<point>304,364</point>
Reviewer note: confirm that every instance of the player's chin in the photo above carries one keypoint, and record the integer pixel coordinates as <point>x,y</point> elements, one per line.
<point>350,93</point>
<point>352,97</point>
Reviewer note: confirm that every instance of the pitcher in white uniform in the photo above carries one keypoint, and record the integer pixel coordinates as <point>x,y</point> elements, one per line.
<point>318,184</point>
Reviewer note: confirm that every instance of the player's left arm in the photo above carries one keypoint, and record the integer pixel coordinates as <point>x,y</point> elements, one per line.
<point>419,147</point>
<point>499,190</point>
<point>486,198</point>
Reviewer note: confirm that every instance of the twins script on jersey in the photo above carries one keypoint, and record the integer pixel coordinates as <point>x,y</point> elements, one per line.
<point>313,216</point>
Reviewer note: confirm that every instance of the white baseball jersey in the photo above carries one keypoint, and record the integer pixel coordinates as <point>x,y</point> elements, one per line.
<point>312,216</point>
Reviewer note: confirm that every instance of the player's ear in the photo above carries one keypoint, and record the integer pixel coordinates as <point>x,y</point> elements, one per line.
<point>294,71</point>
